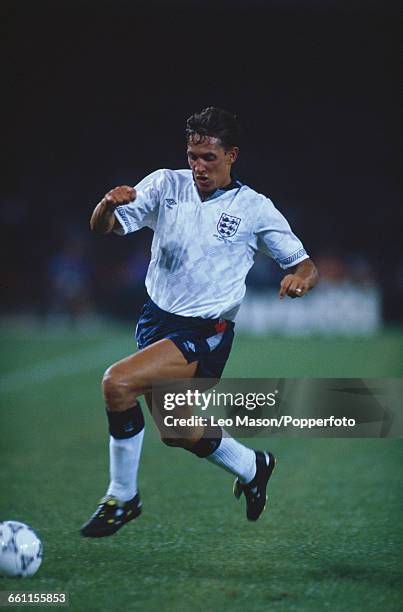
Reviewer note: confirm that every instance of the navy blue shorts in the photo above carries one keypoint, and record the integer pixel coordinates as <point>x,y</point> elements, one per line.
<point>207,341</point>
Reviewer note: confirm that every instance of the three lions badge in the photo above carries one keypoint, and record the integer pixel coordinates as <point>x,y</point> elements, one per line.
<point>227,225</point>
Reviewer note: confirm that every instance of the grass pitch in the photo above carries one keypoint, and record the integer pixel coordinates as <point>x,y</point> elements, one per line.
<point>330,538</point>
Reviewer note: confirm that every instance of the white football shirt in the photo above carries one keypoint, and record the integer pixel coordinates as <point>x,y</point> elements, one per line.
<point>202,251</point>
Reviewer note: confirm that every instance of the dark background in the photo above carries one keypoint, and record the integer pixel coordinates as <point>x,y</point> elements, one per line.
<point>96,94</point>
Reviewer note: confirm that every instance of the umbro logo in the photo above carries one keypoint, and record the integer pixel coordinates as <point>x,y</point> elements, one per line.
<point>170,202</point>
<point>189,346</point>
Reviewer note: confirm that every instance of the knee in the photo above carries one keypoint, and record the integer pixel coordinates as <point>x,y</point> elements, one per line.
<point>117,392</point>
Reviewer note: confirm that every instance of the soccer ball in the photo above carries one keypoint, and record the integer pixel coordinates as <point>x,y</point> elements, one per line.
<point>20,549</point>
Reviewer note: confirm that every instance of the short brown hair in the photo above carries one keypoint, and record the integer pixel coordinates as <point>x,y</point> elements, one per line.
<point>217,123</point>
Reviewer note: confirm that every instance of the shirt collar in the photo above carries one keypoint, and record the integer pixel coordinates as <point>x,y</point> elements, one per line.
<point>234,184</point>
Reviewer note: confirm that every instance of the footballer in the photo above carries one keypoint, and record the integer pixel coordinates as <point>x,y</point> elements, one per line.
<point>208,227</point>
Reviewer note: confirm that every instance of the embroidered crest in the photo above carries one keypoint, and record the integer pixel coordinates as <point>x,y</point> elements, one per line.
<point>227,225</point>
<point>170,202</point>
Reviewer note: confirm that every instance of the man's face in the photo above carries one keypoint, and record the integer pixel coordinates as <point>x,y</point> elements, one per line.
<point>210,163</point>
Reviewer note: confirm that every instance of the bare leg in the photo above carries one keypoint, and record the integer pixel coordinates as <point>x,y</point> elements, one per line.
<point>133,376</point>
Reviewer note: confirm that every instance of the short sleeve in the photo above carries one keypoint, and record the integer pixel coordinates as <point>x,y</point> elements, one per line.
<point>143,211</point>
<point>276,239</point>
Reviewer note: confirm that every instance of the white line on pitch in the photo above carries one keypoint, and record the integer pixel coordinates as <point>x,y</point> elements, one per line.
<point>65,365</point>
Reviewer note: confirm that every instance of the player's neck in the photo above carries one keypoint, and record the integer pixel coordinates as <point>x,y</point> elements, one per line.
<point>205,195</point>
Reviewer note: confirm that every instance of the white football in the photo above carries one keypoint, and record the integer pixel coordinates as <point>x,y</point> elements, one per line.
<point>20,549</point>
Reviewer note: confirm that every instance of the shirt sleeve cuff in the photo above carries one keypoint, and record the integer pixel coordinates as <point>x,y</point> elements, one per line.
<point>125,225</point>
<point>294,259</point>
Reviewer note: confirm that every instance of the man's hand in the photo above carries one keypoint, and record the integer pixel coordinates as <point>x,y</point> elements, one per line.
<point>103,219</point>
<point>118,196</point>
<point>303,278</point>
<point>293,286</point>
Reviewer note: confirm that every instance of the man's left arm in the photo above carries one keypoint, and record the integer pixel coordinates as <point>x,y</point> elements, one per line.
<point>303,277</point>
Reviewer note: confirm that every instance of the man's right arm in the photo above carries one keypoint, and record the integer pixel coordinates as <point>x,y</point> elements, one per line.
<point>103,219</point>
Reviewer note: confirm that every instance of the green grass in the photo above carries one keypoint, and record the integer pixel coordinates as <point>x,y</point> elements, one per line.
<point>328,541</point>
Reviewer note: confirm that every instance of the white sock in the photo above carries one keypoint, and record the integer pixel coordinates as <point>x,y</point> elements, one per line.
<point>235,458</point>
<point>124,459</point>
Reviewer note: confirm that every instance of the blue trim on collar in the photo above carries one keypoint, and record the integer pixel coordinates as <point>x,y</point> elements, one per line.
<point>235,184</point>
